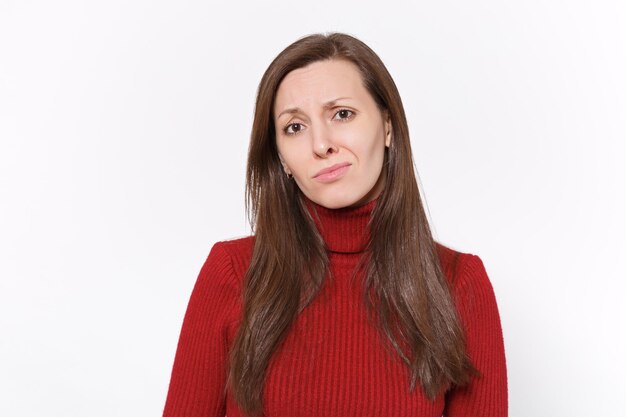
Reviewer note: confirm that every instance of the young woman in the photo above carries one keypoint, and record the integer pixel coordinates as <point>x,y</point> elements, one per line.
<point>341,303</point>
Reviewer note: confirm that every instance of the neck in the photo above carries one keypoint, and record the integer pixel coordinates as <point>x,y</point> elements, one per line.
<point>344,230</point>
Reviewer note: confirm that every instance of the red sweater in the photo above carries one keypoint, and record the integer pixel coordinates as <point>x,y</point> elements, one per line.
<point>333,362</point>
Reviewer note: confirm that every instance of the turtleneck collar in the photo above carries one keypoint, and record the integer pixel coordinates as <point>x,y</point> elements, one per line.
<point>346,229</point>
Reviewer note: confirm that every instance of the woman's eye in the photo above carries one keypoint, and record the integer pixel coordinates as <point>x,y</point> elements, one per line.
<point>344,114</point>
<point>294,128</point>
<point>292,125</point>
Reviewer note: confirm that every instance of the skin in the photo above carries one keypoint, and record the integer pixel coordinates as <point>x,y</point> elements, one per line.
<point>352,129</point>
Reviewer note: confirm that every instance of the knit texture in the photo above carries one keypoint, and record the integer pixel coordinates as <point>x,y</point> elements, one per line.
<point>333,362</point>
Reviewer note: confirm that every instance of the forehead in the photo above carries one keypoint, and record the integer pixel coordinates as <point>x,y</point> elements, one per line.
<point>318,83</point>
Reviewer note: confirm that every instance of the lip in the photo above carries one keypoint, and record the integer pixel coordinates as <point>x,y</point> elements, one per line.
<point>332,172</point>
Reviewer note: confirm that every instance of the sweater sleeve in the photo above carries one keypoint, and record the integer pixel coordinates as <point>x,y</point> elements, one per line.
<point>487,395</point>
<point>198,378</point>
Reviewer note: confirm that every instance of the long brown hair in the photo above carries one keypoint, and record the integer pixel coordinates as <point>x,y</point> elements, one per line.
<point>404,283</point>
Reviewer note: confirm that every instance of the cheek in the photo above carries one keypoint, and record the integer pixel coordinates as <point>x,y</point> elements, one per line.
<point>370,150</point>
<point>294,156</point>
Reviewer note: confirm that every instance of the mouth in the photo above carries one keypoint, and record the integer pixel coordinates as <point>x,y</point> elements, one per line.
<point>333,172</point>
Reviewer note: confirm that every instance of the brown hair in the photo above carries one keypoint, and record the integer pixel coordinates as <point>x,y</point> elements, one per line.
<point>404,282</point>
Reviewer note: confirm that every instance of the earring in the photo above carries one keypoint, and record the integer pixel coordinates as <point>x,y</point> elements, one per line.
<point>289,175</point>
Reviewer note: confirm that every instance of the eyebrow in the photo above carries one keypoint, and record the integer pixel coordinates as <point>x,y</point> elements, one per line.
<point>327,105</point>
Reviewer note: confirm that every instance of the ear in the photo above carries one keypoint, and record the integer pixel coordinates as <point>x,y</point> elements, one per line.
<point>388,130</point>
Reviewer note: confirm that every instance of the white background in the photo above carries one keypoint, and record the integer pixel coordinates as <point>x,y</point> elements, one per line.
<point>124,128</point>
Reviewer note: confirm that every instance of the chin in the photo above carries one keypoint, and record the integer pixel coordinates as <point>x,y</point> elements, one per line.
<point>336,205</point>
<point>342,200</point>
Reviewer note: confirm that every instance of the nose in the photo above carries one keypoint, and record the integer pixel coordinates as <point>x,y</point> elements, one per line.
<point>322,144</point>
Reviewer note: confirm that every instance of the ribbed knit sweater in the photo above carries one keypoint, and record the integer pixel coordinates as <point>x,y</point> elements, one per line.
<point>333,362</point>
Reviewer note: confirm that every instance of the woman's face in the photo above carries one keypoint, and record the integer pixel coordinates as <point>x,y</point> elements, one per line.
<point>324,116</point>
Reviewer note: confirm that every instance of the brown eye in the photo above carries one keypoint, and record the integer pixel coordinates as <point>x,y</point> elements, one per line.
<point>344,114</point>
<point>292,125</point>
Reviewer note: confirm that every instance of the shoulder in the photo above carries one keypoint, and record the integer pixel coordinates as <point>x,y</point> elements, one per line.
<point>448,257</point>
<point>236,246</point>
<point>232,255</point>
<point>470,284</point>
<point>463,269</point>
